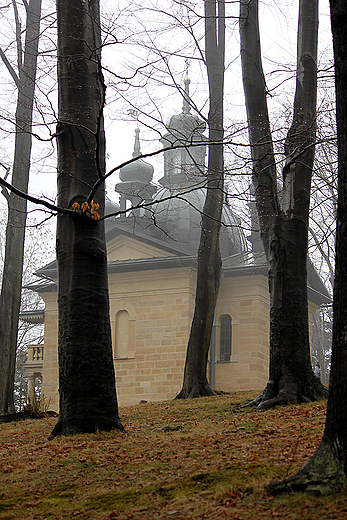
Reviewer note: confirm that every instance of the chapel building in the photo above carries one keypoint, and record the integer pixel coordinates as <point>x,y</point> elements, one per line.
<point>152,264</point>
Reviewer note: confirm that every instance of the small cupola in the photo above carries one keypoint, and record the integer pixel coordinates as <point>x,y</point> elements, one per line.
<point>136,177</point>
<point>139,170</point>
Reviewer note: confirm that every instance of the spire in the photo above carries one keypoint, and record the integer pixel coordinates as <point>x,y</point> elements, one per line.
<point>186,98</point>
<point>137,146</point>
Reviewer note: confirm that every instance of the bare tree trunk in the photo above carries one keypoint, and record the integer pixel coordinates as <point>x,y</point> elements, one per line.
<point>284,230</point>
<point>195,382</point>
<point>86,374</point>
<point>17,206</point>
<point>326,470</point>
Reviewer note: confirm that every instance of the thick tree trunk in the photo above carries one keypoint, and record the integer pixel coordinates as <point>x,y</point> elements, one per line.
<point>17,209</point>
<point>284,230</point>
<point>87,391</point>
<point>195,381</point>
<point>327,470</point>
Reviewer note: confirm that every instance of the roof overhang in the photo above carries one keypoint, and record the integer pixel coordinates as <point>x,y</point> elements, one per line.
<point>33,317</point>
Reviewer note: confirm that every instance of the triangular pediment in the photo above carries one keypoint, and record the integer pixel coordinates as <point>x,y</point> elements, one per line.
<point>127,248</point>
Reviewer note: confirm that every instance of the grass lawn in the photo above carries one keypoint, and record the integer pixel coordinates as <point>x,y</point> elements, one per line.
<point>212,462</point>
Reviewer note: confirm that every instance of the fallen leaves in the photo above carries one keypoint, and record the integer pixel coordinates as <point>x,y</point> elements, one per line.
<point>204,461</point>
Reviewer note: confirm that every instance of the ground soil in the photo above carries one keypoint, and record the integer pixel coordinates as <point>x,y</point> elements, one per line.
<point>183,459</point>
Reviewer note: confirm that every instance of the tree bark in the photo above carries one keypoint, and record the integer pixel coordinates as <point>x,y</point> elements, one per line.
<point>326,470</point>
<point>17,206</point>
<point>284,227</point>
<point>88,400</point>
<point>195,381</point>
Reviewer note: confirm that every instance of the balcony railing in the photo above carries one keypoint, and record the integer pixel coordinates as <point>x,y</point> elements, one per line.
<point>35,353</point>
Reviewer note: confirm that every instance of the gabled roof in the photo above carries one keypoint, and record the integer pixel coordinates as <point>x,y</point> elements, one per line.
<point>171,248</point>
<point>47,273</point>
<point>317,291</point>
<point>166,256</point>
<point>43,285</point>
<point>171,256</point>
<point>148,264</point>
<point>245,264</point>
<point>249,263</point>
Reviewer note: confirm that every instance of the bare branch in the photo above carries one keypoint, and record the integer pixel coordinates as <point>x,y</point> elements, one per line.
<point>4,191</point>
<point>324,255</point>
<point>18,38</point>
<point>35,200</point>
<point>9,68</point>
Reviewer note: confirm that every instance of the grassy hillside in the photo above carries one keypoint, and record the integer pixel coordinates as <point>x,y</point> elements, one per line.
<point>212,463</point>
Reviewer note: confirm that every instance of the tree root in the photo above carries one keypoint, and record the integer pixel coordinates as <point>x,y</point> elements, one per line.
<point>267,395</point>
<point>272,396</point>
<point>84,426</point>
<point>18,416</point>
<point>323,474</point>
<point>197,390</point>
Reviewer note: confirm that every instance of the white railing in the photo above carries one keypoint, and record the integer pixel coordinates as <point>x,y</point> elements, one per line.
<point>35,353</point>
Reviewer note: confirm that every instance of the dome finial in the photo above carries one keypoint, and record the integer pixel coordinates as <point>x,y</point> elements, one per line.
<point>186,98</point>
<point>137,146</point>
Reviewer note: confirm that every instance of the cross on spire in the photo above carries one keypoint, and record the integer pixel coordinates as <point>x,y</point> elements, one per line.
<point>187,62</point>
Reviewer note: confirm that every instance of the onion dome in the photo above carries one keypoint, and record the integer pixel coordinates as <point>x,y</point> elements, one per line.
<point>179,217</point>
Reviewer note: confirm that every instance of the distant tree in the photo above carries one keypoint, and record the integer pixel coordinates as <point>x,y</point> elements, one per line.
<point>284,220</point>
<point>326,471</point>
<point>38,249</point>
<point>10,296</point>
<point>87,390</point>
<point>324,191</point>
<point>321,338</point>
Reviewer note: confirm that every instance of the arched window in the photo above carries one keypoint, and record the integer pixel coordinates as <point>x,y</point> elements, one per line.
<point>122,334</point>
<point>225,338</point>
<point>123,318</point>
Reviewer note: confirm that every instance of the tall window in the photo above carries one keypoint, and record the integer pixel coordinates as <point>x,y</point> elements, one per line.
<point>122,334</point>
<point>225,338</point>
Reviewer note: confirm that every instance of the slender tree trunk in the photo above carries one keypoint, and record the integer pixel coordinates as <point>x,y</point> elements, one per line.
<point>326,471</point>
<point>195,382</point>
<point>284,228</point>
<point>17,207</point>
<point>86,374</point>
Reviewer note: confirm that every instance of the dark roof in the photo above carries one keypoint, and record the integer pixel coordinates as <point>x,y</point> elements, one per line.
<point>240,264</point>
<point>249,263</point>
<point>245,259</point>
<point>317,291</point>
<point>47,273</point>
<point>43,284</point>
<point>37,316</point>
<point>148,264</point>
<point>171,247</point>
